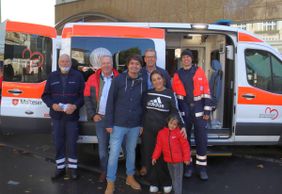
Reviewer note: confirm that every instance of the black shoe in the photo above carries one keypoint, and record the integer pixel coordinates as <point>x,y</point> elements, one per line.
<point>73,174</point>
<point>188,173</point>
<point>59,173</point>
<point>203,175</point>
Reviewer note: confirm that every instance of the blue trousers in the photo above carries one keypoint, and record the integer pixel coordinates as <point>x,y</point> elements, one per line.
<point>200,132</point>
<point>103,144</point>
<point>116,140</point>
<point>65,137</point>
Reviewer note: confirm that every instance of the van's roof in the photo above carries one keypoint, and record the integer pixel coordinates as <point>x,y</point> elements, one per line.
<point>243,35</point>
<point>157,25</point>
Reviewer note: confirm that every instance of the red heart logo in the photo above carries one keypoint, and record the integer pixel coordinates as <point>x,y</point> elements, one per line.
<point>28,54</point>
<point>273,112</point>
<point>15,102</point>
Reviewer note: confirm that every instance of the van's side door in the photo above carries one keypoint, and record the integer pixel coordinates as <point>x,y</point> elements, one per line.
<point>27,63</point>
<point>258,113</point>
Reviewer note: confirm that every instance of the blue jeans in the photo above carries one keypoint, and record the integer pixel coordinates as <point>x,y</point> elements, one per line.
<point>116,139</point>
<point>103,144</point>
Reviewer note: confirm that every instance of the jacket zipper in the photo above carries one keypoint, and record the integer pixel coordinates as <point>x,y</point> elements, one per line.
<point>169,146</point>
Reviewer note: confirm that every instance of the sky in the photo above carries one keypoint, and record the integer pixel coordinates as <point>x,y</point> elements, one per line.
<point>30,11</point>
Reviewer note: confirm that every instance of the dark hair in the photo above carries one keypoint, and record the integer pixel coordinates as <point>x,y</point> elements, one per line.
<point>135,57</point>
<point>159,73</point>
<point>171,118</point>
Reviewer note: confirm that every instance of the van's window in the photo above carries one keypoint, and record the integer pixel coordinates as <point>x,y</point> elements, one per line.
<point>264,70</point>
<point>27,57</point>
<point>120,48</point>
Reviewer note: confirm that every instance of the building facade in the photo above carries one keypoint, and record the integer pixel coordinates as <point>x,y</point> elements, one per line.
<point>262,17</point>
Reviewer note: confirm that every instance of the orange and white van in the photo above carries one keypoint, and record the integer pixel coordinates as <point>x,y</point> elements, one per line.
<point>249,106</point>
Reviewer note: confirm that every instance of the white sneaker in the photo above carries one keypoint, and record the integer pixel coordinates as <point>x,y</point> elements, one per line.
<point>167,189</point>
<point>154,189</point>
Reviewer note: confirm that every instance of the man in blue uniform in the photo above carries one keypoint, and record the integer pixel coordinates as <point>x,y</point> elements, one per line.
<point>63,94</point>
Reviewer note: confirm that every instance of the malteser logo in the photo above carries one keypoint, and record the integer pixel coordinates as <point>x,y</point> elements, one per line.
<point>270,113</point>
<point>15,102</point>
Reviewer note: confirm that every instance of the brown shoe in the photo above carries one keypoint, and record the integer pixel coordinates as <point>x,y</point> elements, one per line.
<point>110,187</point>
<point>130,180</point>
<point>143,171</point>
<point>102,178</point>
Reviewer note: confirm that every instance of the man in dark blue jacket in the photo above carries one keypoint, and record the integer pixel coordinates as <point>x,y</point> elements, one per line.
<point>63,94</point>
<point>123,120</point>
<point>150,58</point>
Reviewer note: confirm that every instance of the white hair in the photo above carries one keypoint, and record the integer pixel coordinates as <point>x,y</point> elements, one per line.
<point>97,54</point>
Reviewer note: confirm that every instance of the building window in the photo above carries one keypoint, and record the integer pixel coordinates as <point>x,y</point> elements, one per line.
<point>269,26</point>
<point>242,26</point>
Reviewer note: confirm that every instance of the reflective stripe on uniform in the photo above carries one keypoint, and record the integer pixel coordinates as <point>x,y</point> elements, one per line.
<point>180,97</point>
<point>197,98</point>
<point>59,161</point>
<point>201,157</point>
<point>199,114</point>
<point>206,96</point>
<point>208,108</point>
<point>201,163</point>
<point>61,166</point>
<point>72,165</point>
<point>72,160</point>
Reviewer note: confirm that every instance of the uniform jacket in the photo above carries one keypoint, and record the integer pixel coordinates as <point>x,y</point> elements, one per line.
<point>72,93</point>
<point>201,93</point>
<point>173,145</point>
<point>92,92</point>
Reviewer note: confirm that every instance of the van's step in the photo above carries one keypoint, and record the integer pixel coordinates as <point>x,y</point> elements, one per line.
<point>215,152</point>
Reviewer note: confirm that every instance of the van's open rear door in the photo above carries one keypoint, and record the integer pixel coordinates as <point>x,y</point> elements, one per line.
<point>27,61</point>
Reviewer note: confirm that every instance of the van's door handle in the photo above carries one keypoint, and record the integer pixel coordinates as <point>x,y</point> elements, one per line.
<point>15,91</point>
<point>248,96</point>
<point>29,112</point>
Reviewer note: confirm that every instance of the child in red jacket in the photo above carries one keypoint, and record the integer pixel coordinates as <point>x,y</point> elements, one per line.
<point>175,149</point>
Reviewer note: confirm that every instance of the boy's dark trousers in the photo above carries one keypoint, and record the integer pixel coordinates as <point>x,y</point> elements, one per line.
<point>176,174</point>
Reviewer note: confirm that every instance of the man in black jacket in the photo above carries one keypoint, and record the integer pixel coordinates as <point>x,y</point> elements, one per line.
<point>63,94</point>
<point>123,120</point>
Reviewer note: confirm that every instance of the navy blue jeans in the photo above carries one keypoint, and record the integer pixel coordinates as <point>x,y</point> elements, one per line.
<point>103,144</point>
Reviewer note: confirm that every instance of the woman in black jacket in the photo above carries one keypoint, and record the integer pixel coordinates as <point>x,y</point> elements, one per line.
<point>159,103</point>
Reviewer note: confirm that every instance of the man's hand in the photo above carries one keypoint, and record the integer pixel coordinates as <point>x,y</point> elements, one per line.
<point>183,132</point>
<point>70,109</point>
<point>56,107</point>
<point>109,130</point>
<point>186,163</point>
<point>154,162</point>
<point>97,118</point>
<point>141,131</point>
<point>206,117</point>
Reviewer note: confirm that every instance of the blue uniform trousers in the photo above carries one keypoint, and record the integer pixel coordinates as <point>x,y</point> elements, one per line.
<point>65,137</point>
<point>200,133</point>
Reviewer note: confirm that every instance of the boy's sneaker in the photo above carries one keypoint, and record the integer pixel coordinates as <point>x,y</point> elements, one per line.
<point>154,189</point>
<point>167,189</point>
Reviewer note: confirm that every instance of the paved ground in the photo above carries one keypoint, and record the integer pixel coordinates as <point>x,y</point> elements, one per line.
<point>26,164</point>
